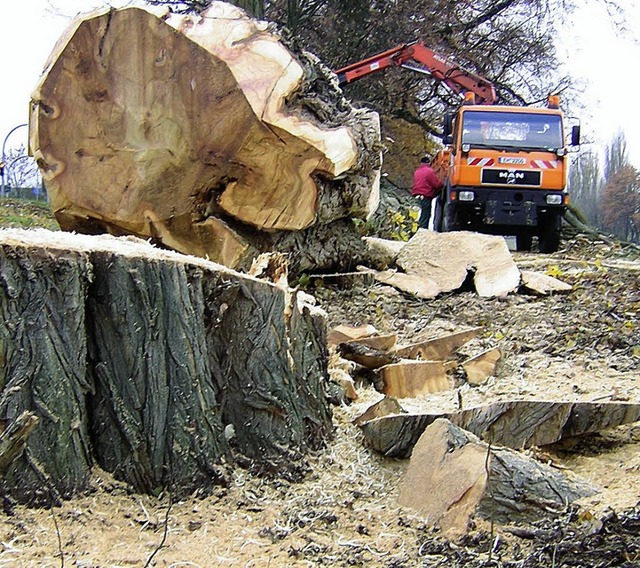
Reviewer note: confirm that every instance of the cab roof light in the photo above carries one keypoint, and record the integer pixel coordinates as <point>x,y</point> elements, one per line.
<point>469,98</point>
<point>553,101</point>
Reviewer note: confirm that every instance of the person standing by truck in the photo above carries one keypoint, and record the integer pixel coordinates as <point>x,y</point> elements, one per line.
<point>426,186</point>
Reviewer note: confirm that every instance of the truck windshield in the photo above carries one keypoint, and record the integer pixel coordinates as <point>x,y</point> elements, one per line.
<point>512,130</point>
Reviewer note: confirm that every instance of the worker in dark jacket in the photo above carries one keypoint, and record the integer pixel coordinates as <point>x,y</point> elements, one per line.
<point>426,186</point>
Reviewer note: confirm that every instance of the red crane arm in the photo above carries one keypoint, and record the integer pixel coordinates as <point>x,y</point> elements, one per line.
<point>457,78</point>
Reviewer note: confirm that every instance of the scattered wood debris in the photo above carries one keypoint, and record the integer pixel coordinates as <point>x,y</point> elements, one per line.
<point>386,405</point>
<point>436,349</point>
<point>366,356</point>
<point>419,286</point>
<point>343,333</point>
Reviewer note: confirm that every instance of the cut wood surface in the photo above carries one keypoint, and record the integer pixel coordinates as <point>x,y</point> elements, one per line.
<point>177,129</point>
<point>419,286</point>
<point>384,342</point>
<point>479,368</point>
<point>543,284</point>
<point>438,348</point>
<point>448,258</point>
<point>385,406</point>
<point>453,477</point>
<point>408,379</point>
<point>344,333</point>
<point>514,424</point>
<point>136,359</point>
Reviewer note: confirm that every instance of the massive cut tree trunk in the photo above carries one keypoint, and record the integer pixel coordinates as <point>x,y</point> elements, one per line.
<point>206,134</point>
<point>155,366</point>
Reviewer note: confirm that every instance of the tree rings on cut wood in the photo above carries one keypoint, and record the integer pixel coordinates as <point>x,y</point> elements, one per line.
<point>204,133</point>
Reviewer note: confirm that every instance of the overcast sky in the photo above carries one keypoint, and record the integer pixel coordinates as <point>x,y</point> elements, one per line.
<point>607,62</point>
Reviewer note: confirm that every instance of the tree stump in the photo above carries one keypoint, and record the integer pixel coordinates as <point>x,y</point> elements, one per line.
<point>206,134</point>
<point>157,367</point>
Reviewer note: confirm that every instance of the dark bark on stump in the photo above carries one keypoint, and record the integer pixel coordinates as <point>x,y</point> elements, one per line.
<point>43,370</point>
<point>155,415</point>
<point>275,402</point>
<point>138,360</point>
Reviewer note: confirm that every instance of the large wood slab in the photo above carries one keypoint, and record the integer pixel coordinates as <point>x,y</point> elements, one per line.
<point>454,477</point>
<point>448,258</point>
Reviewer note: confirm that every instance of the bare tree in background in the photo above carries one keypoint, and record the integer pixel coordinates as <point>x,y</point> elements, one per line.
<point>615,156</point>
<point>21,170</point>
<point>621,192</point>
<point>585,186</point>
<point>621,204</point>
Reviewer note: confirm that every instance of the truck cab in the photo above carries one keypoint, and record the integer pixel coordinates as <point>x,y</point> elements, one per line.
<point>505,171</point>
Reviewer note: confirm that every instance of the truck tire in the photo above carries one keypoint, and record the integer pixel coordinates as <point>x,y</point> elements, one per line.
<point>451,218</point>
<point>550,226</point>
<point>523,241</point>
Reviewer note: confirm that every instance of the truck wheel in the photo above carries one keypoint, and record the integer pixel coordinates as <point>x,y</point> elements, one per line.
<point>550,226</point>
<point>451,218</point>
<point>523,241</point>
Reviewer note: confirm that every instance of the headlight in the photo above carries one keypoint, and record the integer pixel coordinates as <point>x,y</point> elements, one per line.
<point>554,199</point>
<point>466,196</point>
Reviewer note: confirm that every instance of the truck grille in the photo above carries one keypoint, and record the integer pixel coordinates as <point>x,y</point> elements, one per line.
<point>510,177</point>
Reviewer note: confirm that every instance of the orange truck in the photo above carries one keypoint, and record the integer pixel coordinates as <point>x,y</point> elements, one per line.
<point>504,167</point>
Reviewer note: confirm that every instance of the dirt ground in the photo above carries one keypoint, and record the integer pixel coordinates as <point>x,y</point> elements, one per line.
<point>584,345</point>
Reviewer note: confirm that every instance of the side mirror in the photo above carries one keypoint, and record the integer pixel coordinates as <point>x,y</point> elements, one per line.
<point>447,128</point>
<point>575,135</point>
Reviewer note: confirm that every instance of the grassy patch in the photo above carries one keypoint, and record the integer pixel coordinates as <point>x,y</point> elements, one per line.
<point>25,214</point>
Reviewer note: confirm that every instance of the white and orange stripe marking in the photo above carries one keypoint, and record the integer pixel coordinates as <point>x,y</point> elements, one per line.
<point>544,164</point>
<point>480,162</point>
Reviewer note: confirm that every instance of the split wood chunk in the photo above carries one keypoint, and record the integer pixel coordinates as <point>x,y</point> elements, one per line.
<point>204,133</point>
<point>383,407</point>
<point>138,360</point>
<point>436,349</point>
<point>514,424</point>
<point>523,423</point>
<point>408,379</point>
<point>448,258</point>
<point>365,356</point>
<point>344,333</point>
<point>384,342</point>
<point>453,477</point>
<point>479,368</point>
<point>542,283</point>
<point>419,286</point>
